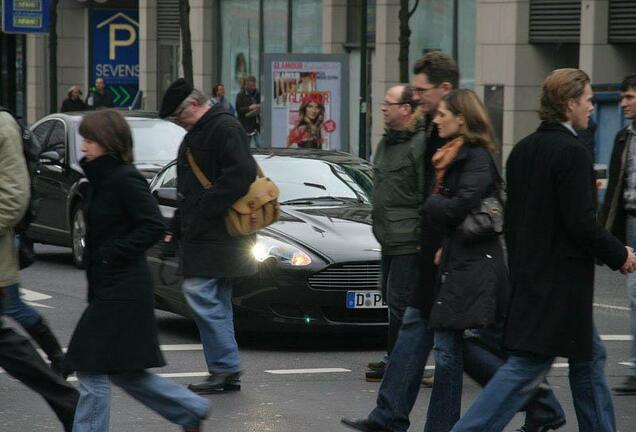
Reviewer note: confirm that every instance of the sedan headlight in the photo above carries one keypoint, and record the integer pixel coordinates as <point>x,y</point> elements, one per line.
<point>268,247</point>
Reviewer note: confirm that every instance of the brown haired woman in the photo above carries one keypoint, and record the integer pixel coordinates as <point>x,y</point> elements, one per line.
<point>471,275</point>
<point>116,337</point>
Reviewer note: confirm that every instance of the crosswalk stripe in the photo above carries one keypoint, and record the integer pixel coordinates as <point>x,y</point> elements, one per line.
<point>306,371</point>
<point>611,307</point>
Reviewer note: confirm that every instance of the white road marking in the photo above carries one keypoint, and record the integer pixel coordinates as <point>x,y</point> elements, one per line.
<point>306,371</point>
<point>617,338</point>
<point>182,347</point>
<point>165,375</point>
<point>31,297</point>
<point>612,307</point>
<point>628,364</point>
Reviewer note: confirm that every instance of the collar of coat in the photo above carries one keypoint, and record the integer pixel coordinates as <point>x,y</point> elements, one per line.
<point>213,112</point>
<point>97,169</point>
<point>554,126</point>
<point>394,136</point>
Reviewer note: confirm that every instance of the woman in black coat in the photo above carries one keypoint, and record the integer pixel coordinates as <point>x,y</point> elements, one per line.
<point>73,101</point>
<point>471,280</point>
<point>116,337</point>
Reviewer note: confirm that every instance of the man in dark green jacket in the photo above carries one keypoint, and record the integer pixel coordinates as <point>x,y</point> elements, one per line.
<point>397,197</point>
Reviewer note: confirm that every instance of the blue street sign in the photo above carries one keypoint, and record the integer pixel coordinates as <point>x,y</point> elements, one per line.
<point>26,16</point>
<point>116,52</point>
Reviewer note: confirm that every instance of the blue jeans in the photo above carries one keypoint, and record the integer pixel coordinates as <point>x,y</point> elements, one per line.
<point>403,374</point>
<point>630,230</point>
<point>517,380</point>
<point>444,406</point>
<point>15,308</point>
<point>163,396</point>
<point>255,137</point>
<point>211,304</point>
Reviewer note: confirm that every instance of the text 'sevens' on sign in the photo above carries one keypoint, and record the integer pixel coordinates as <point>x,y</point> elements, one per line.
<point>116,52</point>
<point>26,16</point>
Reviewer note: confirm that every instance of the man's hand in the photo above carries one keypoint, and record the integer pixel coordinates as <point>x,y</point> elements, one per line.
<point>254,107</point>
<point>630,262</point>
<point>168,247</point>
<point>438,257</point>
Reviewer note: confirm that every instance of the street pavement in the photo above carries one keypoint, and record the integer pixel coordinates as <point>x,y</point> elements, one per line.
<point>290,383</point>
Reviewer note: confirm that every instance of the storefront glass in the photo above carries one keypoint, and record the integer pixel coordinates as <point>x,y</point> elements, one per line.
<point>240,29</point>
<point>306,26</point>
<point>240,36</point>
<point>433,27</point>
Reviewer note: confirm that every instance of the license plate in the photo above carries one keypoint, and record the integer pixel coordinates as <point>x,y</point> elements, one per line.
<point>365,300</point>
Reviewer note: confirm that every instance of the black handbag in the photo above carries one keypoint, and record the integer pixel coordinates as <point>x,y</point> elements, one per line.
<point>486,221</point>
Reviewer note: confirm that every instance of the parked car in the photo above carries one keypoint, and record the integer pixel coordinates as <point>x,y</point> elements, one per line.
<point>319,266</point>
<point>60,183</point>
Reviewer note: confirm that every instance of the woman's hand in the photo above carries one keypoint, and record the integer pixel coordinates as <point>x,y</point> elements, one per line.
<point>438,257</point>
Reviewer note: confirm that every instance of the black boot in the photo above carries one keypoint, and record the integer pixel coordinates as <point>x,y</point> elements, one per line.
<point>42,334</point>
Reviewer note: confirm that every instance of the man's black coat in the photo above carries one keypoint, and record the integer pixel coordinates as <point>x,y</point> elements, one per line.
<point>220,148</point>
<point>553,238</point>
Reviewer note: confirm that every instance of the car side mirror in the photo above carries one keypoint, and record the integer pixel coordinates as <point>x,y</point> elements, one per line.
<point>166,195</point>
<point>50,157</point>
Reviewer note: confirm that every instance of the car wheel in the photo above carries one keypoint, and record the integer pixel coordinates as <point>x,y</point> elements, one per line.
<point>78,235</point>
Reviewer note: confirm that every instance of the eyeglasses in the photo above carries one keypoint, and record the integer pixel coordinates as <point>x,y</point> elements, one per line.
<point>385,103</point>
<point>423,90</point>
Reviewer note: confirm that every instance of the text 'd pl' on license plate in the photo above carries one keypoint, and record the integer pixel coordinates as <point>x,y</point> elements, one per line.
<point>365,300</point>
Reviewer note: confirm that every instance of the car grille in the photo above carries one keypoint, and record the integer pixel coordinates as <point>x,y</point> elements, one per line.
<point>346,277</point>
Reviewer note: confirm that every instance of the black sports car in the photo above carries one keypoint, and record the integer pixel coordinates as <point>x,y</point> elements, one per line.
<point>319,266</point>
<point>60,184</point>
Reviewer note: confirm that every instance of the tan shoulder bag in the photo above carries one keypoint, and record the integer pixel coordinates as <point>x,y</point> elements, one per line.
<point>253,211</point>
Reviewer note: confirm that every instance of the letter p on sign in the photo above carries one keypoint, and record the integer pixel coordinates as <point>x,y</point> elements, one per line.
<point>114,42</point>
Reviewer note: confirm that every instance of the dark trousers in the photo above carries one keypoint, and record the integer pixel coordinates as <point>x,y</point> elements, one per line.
<point>21,361</point>
<point>400,275</point>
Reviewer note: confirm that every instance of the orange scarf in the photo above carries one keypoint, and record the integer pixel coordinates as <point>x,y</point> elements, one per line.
<point>442,158</point>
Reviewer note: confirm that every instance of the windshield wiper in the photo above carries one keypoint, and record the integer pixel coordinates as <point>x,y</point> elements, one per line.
<point>313,200</point>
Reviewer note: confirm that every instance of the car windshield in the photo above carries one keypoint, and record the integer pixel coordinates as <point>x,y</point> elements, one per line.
<point>312,181</point>
<point>155,141</point>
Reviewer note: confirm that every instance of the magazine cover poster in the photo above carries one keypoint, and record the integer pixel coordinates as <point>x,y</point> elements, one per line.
<point>305,101</point>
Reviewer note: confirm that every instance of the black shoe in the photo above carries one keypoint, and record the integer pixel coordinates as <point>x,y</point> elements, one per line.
<point>364,425</point>
<point>541,425</point>
<point>43,335</point>
<point>627,388</point>
<point>376,365</point>
<point>427,379</point>
<point>218,383</point>
<point>374,375</point>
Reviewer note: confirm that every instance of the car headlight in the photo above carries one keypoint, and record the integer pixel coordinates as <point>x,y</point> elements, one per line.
<point>268,247</point>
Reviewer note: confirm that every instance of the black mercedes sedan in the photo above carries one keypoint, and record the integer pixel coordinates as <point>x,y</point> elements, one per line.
<point>59,182</point>
<point>319,265</point>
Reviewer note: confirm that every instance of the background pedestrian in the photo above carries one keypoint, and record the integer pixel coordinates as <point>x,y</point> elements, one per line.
<point>73,101</point>
<point>218,97</point>
<point>619,209</point>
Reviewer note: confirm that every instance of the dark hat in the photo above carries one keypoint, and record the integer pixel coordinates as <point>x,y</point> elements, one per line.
<point>172,98</point>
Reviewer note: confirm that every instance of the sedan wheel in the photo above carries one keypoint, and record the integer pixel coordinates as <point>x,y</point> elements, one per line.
<point>78,236</point>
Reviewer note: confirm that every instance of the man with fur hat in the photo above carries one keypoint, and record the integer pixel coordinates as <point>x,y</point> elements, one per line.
<point>216,143</point>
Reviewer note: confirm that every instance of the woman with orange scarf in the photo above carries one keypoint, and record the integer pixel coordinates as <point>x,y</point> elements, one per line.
<point>471,281</point>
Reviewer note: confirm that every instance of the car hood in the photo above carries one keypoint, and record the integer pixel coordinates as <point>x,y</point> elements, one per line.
<point>149,169</point>
<point>340,233</point>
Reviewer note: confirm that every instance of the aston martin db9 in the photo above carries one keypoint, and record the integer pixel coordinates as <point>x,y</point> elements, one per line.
<point>318,266</point>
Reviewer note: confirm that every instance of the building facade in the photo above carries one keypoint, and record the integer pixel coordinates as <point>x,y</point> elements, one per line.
<point>504,49</point>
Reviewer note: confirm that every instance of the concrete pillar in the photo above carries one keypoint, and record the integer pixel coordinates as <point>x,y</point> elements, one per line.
<point>385,61</point>
<point>36,86</point>
<point>605,63</point>
<point>334,26</point>
<point>148,54</point>
<point>505,57</point>
<point>203,29</point>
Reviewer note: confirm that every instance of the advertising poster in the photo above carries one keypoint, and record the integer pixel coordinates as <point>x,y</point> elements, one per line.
<point>304,100</point>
